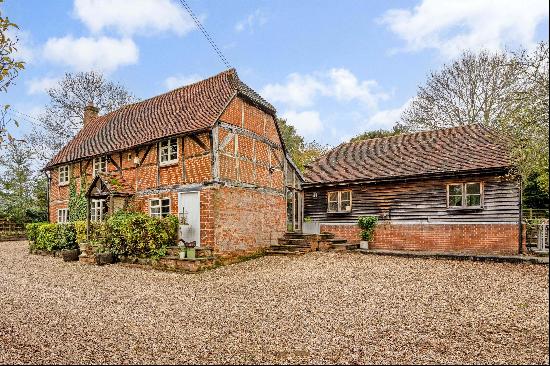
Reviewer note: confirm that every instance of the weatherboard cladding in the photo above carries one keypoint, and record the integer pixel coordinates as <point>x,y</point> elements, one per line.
<point>458,149</point>
<point>185,110</point>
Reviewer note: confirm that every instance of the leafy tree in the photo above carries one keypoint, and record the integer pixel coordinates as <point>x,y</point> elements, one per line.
<point>22,194</point>
<point>64,115</point>
<point>396,130</point>
<point>302,153</point>
<point>9,71</point>
<point>506,91</point>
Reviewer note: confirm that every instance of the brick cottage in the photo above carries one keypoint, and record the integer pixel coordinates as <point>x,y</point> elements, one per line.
<point>211,153</point>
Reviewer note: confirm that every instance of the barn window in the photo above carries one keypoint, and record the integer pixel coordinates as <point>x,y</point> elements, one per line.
<point>100,165</point>
<point>339,201</point>
<point>63,215</point>
<point>159,207</point>
<point>63,175</point>
<point>465,195</point>
<point>168,151</point>
<point>97,210</point>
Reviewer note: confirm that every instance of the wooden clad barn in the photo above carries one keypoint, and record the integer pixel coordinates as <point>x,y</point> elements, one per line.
<point>442,190</point>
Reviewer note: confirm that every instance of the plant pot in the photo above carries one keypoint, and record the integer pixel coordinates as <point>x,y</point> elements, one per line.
<point>70,255</point>
<point>363,244</point>
<point>104,258</point>
<point>182,255</point>
<point>190,253</point>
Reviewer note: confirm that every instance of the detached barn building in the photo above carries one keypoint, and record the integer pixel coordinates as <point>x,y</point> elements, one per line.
<point>442,190</point>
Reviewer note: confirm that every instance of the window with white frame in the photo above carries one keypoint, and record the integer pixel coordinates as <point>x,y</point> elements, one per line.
<point>168,151</point>
<point>97,209</point>
<point>64,175</point>
<point>63,215</point>
<point>465,195</point>
<point>339,201</point>
<point>159,207</point>
<point>100,165</point>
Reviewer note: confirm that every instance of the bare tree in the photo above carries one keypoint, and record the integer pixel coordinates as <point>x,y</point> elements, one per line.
<point>63,117</point>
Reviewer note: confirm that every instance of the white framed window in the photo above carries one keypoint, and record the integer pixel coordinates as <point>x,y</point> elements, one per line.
<point>339,201</point>
<point>63,215</point>
<point>168,151</point>
<point>100,165</point>
<point>465,195</point>
<point>97,210</point>
<point>159,207</point>
<point>129,157</point>
<point>64,175</point>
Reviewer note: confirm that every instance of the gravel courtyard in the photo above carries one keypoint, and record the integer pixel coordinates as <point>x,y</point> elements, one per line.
<point>318,308</point>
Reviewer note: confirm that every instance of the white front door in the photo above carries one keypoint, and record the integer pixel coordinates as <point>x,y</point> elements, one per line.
<point>189,206</point>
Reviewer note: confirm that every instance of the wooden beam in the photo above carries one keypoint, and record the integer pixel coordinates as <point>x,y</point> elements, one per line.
<point>199,142</point>
<point>215,161</point>
<point>226,140</point>
<point>118,168</point>
<point>242,131</point>
<point>183,172</point>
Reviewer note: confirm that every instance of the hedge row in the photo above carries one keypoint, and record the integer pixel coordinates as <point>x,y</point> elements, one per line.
<point>124,233</point>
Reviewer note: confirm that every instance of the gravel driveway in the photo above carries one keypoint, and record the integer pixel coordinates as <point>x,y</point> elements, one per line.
<point>318,308</point>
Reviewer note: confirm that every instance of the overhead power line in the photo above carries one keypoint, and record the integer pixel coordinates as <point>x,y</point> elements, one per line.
<point>206,34</point>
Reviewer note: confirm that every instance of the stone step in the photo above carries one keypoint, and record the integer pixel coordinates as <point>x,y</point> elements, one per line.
<point>283,241</point>
<point>298,236</point>
<point>325,236</point>
<point>290,247</point>
<point>345,246</point>
<point>337,241</point>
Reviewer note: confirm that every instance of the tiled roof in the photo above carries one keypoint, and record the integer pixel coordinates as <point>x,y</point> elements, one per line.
<point>187,109</point>
<point>457,149</point>
<point>116,184</point>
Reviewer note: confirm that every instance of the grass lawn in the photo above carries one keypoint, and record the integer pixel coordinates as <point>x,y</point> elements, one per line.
<point>317,308</point>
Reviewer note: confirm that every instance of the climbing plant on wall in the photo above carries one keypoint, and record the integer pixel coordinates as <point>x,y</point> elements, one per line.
<point>78,206</point>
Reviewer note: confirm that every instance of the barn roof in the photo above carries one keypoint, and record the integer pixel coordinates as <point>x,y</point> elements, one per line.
<point>436,152</point>
<point>191,108</point>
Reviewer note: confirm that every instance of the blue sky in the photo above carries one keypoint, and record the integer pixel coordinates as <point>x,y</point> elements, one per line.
<point>334,69</point>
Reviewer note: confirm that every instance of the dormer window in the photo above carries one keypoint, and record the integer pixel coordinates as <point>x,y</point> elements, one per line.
<point>100,165</point>
<point>168,151</point>
<point>64,176</point>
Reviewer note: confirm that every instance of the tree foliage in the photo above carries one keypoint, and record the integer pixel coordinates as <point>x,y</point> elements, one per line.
<point>64,115</point>
<point>505,91</point>
<point>22,192</point>
<point>11,66</point>
<point>396,130</point>
<point>302,153</point>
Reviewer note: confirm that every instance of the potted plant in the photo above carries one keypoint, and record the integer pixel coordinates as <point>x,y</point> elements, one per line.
<point>103,255</point>
<point>181,244</point>
<point>367,224</point>
<point>190,249</point>
<point>70,255</point>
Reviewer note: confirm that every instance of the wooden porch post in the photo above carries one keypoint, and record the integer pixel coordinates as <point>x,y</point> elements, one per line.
<point>88,213</point>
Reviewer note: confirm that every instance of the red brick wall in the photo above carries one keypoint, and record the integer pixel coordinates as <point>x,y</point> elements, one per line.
<point>475,238</point>
<point>246,220</point>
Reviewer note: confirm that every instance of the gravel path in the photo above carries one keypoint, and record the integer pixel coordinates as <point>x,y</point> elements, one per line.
<point>318,308</point>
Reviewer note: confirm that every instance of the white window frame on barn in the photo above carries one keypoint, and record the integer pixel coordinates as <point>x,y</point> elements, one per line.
<point>62,215</point>
<point>64,176</point>
<point>167,154</point>
<point>159,207</point>
<point>342,205</point>
<point>100,165</point>
<point>97,209</point>
<point>464,195</point>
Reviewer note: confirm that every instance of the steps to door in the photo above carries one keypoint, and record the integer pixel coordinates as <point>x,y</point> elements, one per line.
<point>298,244</point>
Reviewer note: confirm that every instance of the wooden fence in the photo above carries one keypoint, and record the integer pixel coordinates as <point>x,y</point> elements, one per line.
<point>11,230</point>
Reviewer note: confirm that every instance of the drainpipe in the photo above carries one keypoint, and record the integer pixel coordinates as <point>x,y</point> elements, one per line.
<point>520,223</point>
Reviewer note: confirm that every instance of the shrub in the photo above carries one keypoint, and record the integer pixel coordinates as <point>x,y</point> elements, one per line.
<point>52,237</point>
<point>137,234</point>
<point>80,227</point>
<point>367,225</point>
<point>32,230</point>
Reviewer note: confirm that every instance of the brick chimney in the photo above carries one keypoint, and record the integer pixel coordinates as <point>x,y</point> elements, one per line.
<point>90,112</point>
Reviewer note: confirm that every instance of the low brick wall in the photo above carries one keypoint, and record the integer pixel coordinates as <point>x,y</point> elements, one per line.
<point>470,238</point>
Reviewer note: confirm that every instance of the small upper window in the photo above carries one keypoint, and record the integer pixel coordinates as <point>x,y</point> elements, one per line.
<point>129,158</point>
<point>159,207</point>
<point>64,175</point>
<point>100,165</point>
<point>339,201</point>
<point>464,195</point>
<point>168,151</point>
<point>63,215</point>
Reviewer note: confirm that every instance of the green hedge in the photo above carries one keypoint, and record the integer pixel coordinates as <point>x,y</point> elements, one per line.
<point>52,237</point>
<point>367,225</point>
<point>137,234</point>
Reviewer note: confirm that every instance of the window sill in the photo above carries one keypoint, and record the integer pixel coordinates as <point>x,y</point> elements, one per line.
<point>168,163</point>
<point>338,212</point>
<point>63,184</point>
<point>464,209</point>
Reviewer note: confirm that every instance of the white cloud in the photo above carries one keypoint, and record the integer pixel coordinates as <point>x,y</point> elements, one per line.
<point>23,45</point>
<point>136,16</point>
<point>37,86</point>
<point>385,118</point>
<point>89,53</point>
<point>301,91</point>
<point>453,26</point>
<point>257,18</point>
<point>307,123</point>
<point>177,81</point>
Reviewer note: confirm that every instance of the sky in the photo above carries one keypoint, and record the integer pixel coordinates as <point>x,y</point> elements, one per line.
<point>332,69</point>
